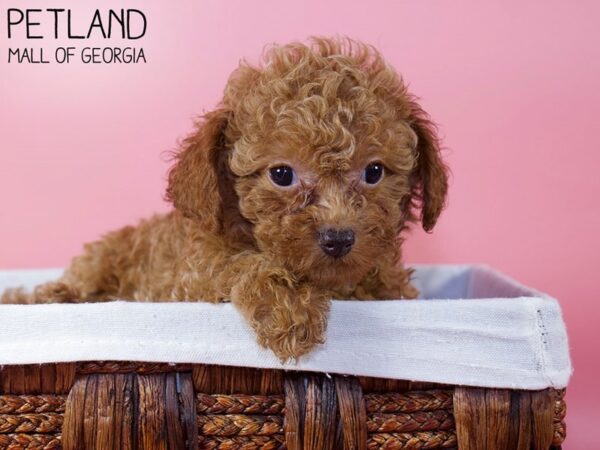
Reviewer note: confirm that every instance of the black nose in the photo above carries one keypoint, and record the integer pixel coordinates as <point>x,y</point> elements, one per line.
<point>336,243</point>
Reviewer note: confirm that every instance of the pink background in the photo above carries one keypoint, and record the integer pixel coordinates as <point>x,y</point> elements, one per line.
<point>513,85</point>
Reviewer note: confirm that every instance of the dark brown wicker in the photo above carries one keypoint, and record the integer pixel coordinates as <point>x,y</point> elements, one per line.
<point>127,405</point>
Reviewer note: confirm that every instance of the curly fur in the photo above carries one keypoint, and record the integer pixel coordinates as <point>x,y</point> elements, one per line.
<point>327,109</point>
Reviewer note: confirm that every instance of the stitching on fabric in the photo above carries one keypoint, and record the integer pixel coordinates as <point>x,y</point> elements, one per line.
<point>543,345</point>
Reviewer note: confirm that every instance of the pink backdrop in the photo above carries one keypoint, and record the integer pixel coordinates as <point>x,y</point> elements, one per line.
<point>513,85</point>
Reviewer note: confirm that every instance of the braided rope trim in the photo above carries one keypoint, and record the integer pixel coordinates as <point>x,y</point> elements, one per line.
<point>91,367</point>
<point>380,441</point>
<point>274,442</point>
<point>560,407</point>
<point>240,404</point>
<point>560,434</point>
<point>560,411</point>
<point>32,414</point>
<point>30,441</point>
<point>240,425</point>
<point>31,423</point>
<point>388,413</point>
<point>409,402</point>
<point>442,419</point>
<point>418,440</point>
<point>21,404</point>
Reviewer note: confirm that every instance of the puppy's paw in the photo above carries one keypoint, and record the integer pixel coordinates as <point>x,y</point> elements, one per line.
<point>288,319</point>
<point>55,292</point>
<point>290,337</point>
<point>15,296</point>
<point>51,292</point>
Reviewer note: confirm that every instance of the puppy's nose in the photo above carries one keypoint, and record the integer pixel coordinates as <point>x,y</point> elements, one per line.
<point>336,243</point>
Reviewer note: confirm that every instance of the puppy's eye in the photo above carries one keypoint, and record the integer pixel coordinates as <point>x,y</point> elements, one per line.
<point>373,173</point>
<point>283,175</point>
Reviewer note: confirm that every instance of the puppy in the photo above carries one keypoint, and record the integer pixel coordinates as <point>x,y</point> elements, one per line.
<point>294,191</point>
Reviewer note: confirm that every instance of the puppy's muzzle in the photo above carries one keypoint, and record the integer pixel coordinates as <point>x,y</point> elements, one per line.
<point>336,243</point>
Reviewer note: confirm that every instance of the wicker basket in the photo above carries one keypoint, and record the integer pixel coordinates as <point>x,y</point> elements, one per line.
<point>126,405</point>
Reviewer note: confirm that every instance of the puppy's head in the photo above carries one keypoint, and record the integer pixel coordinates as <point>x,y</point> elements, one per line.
<point>319,158</point>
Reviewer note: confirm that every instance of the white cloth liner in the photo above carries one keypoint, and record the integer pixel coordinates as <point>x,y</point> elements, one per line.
<point>477,327</point>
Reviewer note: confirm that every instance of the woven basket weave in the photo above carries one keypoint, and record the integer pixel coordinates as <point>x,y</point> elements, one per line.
<point>126,405</point>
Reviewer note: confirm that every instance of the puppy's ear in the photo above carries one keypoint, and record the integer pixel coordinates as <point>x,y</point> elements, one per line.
<point>200,183</point>
<point>430,177</point>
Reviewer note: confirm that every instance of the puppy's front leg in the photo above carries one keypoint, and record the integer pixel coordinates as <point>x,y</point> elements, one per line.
<point>289,317</point>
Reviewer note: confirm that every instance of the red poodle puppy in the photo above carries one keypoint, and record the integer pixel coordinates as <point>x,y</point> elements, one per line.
<point>294,191</point>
